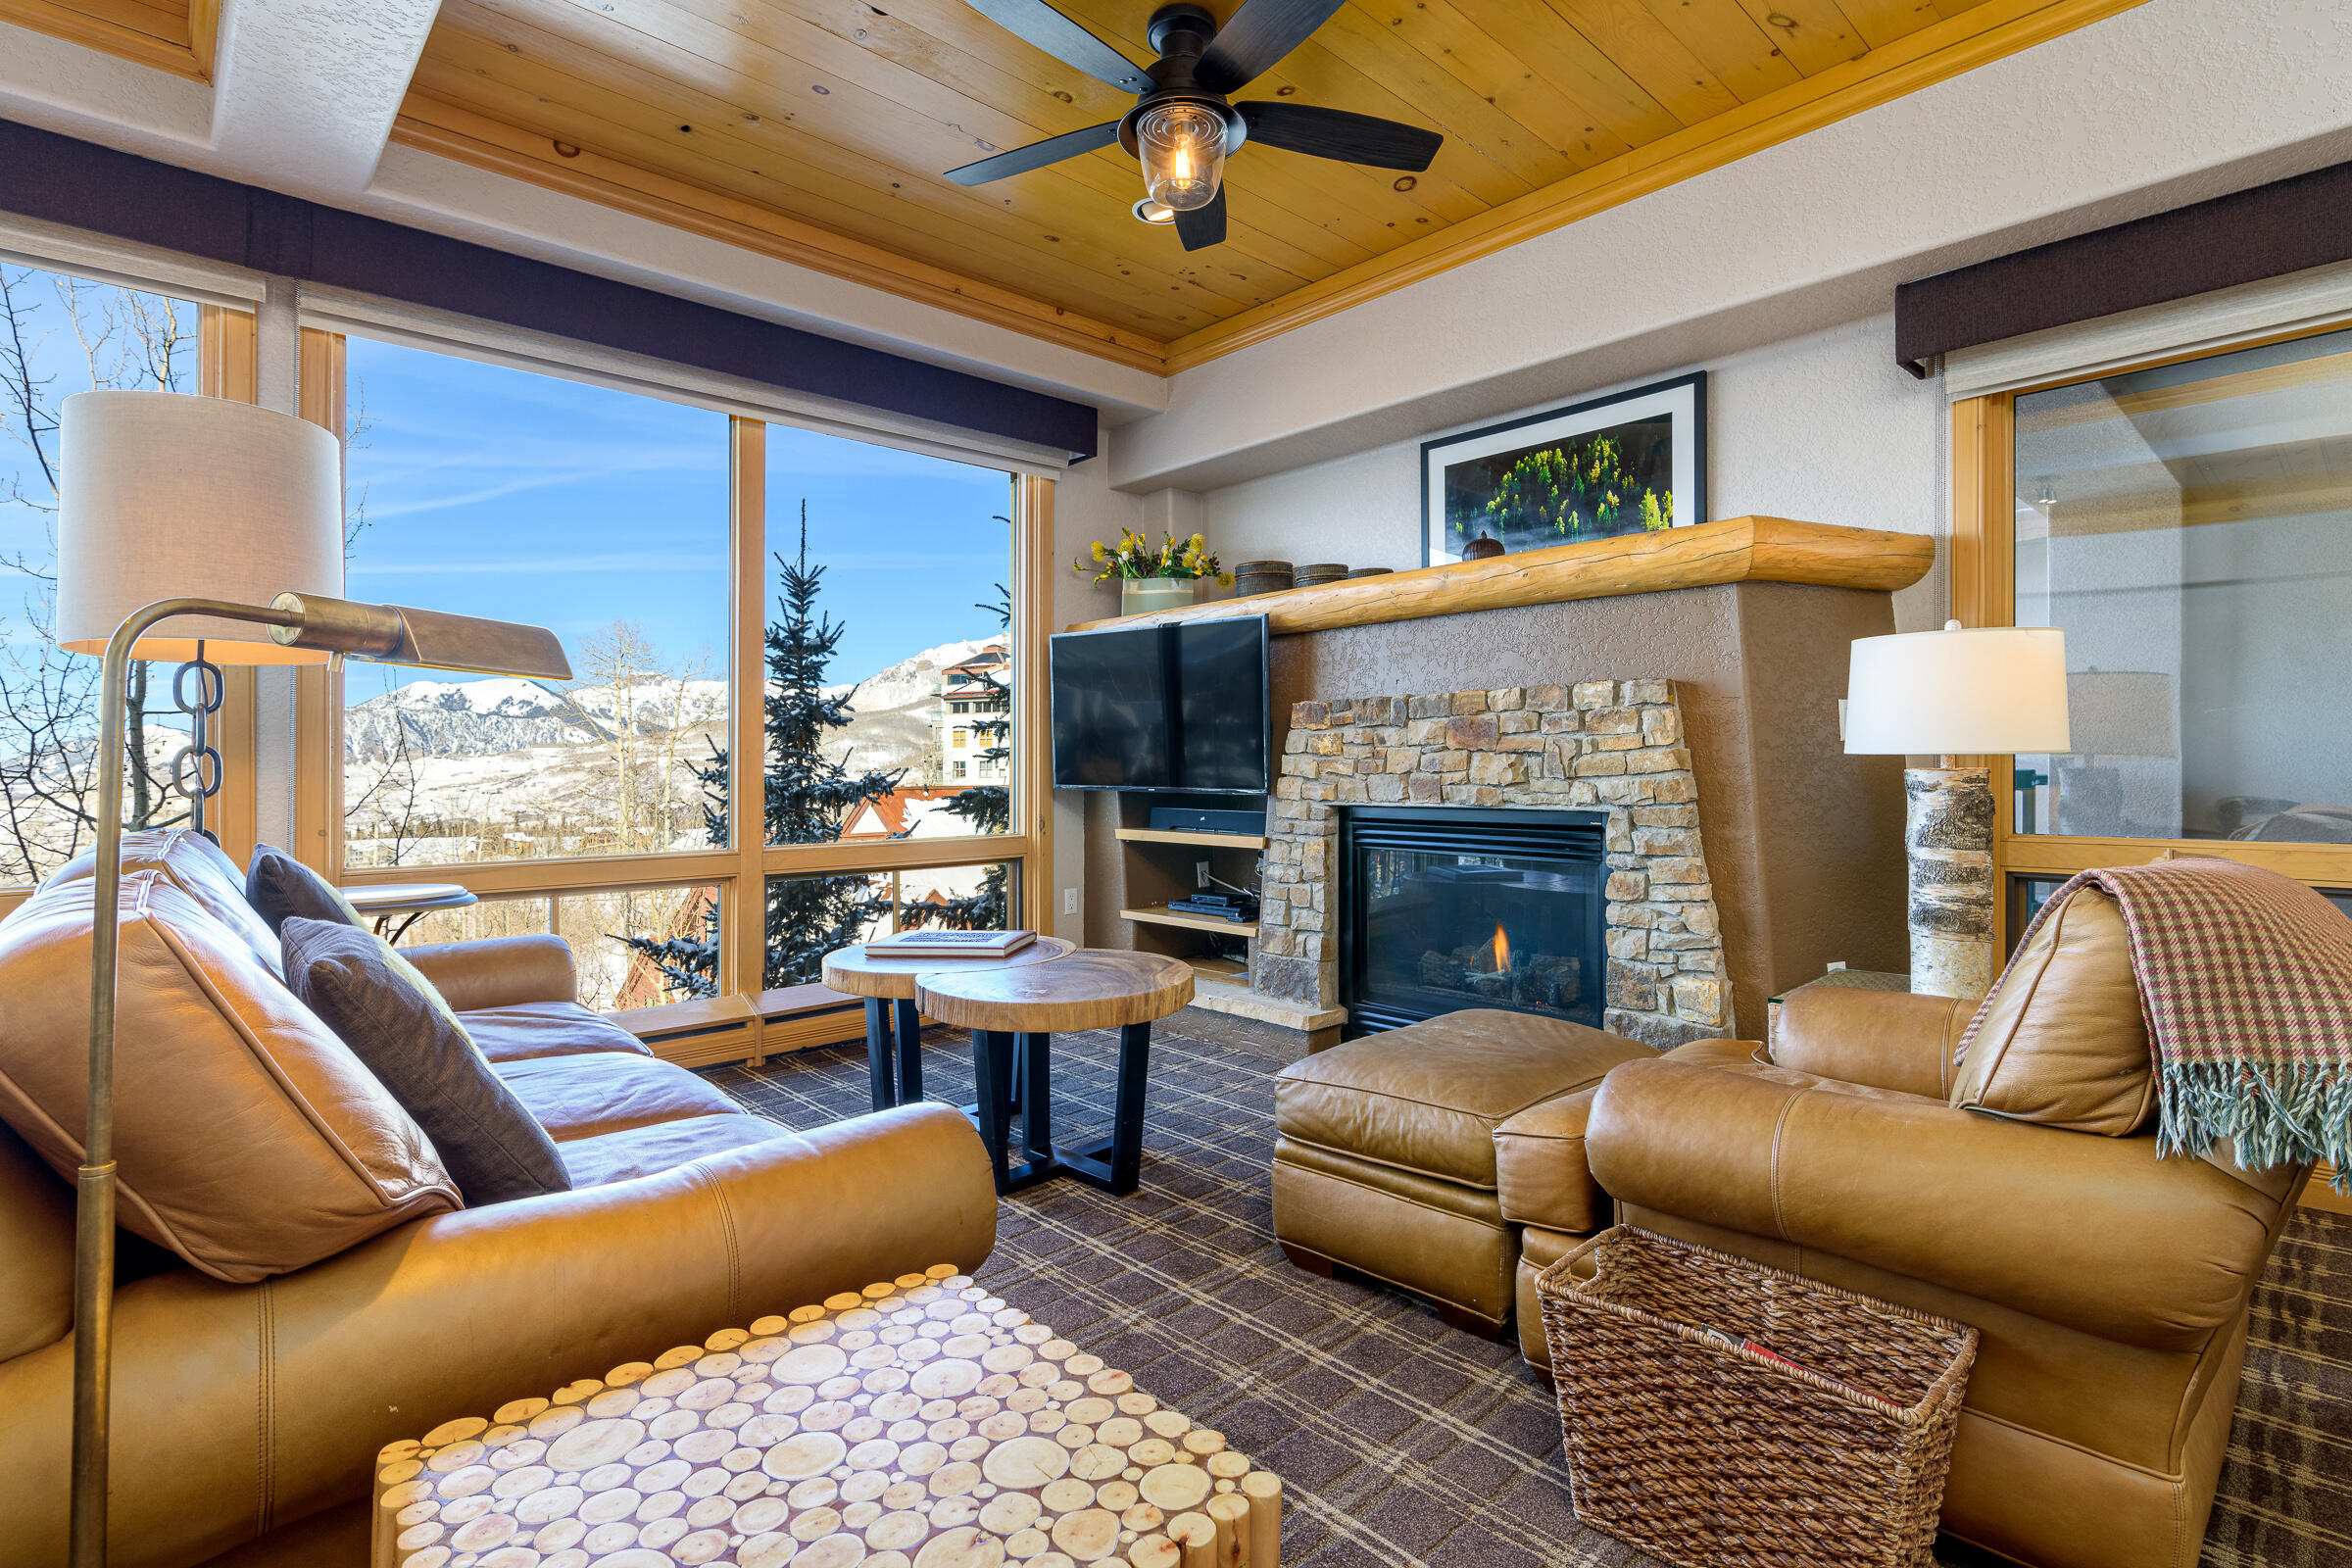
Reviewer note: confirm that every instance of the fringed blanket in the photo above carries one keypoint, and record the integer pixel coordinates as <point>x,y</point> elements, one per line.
<point>2245,980</point>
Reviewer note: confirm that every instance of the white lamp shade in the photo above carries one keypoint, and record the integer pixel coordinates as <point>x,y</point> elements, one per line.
<point>1995,690</point>
<point>169,496</point>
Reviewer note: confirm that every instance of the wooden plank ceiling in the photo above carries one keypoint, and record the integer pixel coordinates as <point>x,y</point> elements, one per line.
<point>816,130</point>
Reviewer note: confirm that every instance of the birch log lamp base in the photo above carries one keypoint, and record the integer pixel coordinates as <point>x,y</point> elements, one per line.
<point>920,1423</point>
<point>1994,690</point>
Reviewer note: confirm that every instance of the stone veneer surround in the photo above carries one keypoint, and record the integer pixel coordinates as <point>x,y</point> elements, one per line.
<point>1615,747</point>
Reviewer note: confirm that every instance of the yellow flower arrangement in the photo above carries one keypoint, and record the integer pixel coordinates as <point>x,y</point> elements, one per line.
<point>1136,556</point>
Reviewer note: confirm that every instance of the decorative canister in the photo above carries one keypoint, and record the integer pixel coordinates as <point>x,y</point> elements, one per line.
<point>1322,572</point>
<point>1484,547</point>
<point>1371,571</point>
<point>1262,577</point>
<point>1141,596</point>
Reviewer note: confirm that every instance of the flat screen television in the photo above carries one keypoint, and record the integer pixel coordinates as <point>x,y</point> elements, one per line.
<point>1180,707</point>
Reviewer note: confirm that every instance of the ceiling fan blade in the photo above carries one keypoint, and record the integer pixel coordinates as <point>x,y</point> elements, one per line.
<point>1259,34</point>
<point>1037,155</point>
<point>1066,42</point>
<point>1203,227</point>
<point>1336,133</point>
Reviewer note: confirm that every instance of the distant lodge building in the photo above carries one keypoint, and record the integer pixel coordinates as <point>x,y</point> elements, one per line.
<point>970,695</point>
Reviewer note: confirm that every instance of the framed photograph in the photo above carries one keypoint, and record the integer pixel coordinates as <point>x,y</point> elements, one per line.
<point>1630,463</point>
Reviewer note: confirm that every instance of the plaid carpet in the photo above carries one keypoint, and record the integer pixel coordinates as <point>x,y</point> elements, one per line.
<point>1401,1440</point>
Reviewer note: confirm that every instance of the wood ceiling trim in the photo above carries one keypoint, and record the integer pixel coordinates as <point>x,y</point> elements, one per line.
<point>145,34</point>
<point>1983,34</point>
<point>455,134</point>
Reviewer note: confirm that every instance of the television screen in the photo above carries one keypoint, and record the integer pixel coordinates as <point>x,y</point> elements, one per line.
<point>1179,708</point>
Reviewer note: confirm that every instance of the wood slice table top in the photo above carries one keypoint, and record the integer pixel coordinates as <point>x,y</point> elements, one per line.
<point>850,970</point>
<point>407,898</point>
<point>1093,988</point>
<point>922,1423</point>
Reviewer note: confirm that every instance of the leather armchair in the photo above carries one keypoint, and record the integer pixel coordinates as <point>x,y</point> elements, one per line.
<point>2110,1286</point>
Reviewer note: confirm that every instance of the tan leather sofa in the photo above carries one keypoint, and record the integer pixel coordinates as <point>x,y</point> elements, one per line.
<point>2110,1286</point>
<point>245,1416</point>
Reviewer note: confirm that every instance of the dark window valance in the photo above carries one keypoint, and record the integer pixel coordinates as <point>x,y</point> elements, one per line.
<point>2270,230</point>
<point>78,183</point>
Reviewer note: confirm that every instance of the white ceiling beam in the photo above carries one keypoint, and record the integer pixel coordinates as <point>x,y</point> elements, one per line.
<point>305,91</point>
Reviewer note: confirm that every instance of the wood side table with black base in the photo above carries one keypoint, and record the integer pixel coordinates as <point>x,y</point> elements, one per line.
<point>1091,989</point>
<point>894,1047</point>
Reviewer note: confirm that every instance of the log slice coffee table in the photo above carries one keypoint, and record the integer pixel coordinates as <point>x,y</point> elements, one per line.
<point>920,1423</point>
<point>888,986</point>
<point>1091,989</point>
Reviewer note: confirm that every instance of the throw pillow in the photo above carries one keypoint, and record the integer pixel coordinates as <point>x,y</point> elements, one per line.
<point>395,1021</point>
<point>278,885</point>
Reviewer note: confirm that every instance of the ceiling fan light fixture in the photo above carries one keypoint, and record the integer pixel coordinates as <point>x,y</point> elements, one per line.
<point>1182,146</point>
<point>1152,211</point>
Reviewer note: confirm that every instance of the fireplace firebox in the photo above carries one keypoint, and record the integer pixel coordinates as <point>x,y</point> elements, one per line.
<point>1449,907</point>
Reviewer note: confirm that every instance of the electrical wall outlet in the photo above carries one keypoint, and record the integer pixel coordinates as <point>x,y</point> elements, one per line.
<point>1070,900</point>
<point>1201,872</point>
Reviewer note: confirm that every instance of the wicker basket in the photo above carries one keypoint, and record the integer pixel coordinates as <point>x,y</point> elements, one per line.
<point>1705,1453</point>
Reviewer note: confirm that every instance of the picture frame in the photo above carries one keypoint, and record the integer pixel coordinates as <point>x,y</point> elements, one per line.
<point>1631,462</point>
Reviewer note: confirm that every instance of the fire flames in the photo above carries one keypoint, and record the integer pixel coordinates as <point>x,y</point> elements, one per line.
<point>1502,950</point>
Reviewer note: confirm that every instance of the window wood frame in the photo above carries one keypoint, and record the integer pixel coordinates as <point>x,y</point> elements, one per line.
<point>740,871</point>
<point>1984,568</point>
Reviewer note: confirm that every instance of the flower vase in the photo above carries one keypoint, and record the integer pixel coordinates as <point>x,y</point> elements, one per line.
<point>1141,596</point>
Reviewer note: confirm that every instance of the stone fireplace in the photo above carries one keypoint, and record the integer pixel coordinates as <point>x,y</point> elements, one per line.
<point>1608,756</point>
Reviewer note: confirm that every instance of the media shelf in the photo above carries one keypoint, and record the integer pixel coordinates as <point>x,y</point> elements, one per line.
<point>1162,915</point>
<point>1214,840</point>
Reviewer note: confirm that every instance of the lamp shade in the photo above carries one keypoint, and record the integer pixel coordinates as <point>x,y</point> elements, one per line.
<point>169,496</point>
<point>1995,689</point>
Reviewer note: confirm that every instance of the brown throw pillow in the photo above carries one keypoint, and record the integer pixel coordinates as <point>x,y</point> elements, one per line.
<point>278,886</point>
<point>250,1139</point>
<point>2061,1040</point>
<point>395,1021</point>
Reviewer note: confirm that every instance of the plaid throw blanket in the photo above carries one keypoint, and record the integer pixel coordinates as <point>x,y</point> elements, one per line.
<point>2245,981</point>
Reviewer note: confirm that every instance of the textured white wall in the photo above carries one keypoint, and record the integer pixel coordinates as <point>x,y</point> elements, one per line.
<point>1821,427</point>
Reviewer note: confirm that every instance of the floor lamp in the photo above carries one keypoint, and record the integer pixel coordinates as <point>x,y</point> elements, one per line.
<point>1996,690</point>
<point>225,493</point>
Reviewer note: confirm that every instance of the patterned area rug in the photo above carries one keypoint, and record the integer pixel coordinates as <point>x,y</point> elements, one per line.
<point>1402,1442</point>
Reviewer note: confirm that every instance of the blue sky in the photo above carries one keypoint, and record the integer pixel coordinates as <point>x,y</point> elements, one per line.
<point>495,492</point>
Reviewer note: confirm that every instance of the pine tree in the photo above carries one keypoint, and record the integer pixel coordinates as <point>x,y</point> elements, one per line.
<point>808,799</point>
<point>984,807</point>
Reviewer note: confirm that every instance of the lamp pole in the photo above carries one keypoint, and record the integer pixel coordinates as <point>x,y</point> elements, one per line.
<point>94,1213</point>
<point>385,633</point>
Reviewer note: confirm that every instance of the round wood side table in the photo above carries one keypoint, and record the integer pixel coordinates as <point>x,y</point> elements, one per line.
<point>888,986</point>
<point>1091,989</point>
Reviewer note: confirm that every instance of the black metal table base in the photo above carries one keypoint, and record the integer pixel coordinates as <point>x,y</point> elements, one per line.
<point>893,1057</point>
<point>1014,1075</point>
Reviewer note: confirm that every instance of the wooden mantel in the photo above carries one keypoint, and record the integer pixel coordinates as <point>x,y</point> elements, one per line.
<point>1702,555</point>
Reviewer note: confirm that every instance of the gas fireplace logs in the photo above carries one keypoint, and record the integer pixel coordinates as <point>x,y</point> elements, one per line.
<point>920,1423</point>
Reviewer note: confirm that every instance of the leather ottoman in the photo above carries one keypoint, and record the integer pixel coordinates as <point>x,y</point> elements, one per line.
<point>1386,1159</point>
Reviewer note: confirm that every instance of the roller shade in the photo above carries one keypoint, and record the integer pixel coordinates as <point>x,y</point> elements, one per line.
<point>60,180</point>
<point>2286,227</point>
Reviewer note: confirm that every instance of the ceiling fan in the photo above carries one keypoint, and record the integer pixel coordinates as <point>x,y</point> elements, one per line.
<point>1182,129</point>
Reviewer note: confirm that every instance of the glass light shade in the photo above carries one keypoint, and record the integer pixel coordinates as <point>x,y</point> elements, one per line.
<point>1183,150</point>
<point>1996,690</point>
<point>164,495</point>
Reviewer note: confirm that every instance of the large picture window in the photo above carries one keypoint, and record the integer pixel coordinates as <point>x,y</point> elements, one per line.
<point>487,491</point>
<point>59,335</point>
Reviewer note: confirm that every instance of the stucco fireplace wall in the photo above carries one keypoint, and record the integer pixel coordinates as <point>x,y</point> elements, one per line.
<point>1803,842</point>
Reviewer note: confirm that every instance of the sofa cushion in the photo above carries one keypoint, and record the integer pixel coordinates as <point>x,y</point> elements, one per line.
<point>1428,1097</point>
<point>278,886</point>
<point>198,867</point>
<point>547,1029</point>
<point>606,1092</point>
<point>661,1145</point>
<point>2061,1040</point>
<point>250,1139</point>
<point>395,1022</point>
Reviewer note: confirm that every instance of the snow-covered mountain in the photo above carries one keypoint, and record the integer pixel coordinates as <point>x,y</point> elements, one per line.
<point>509,714</point>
